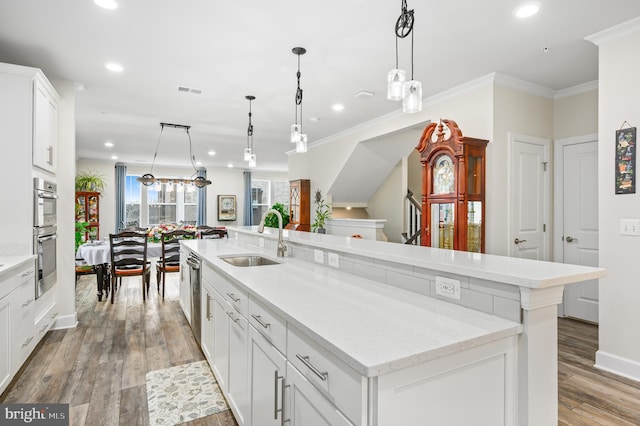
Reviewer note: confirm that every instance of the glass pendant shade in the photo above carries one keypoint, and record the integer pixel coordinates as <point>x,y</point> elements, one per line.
<point>395,81</point>
<point>252,160</point>
<point>295,133</point>
<point>412,99</point>
<point>247,154</point>
<point>301,145</point>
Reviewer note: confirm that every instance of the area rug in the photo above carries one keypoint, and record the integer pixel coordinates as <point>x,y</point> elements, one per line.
<point>183,393</point>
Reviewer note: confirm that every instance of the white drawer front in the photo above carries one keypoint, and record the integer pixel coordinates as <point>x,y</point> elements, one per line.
<point>342,385</point>
<point>269,324</point>
<point>239,299</point>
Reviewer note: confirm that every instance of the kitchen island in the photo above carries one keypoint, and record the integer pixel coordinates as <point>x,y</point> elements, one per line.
<point>367,336</point>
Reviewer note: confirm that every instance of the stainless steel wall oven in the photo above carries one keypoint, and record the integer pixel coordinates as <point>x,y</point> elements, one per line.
<point>45,233</point>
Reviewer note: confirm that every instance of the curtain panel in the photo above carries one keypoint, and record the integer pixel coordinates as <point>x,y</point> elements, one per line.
<point>121,177</point>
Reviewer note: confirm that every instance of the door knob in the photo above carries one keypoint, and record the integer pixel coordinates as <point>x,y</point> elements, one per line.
<point>571,239</point>
<point>518,241</point>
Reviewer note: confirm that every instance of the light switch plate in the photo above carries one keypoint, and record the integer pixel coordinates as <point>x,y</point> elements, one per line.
<point>334,259</point>
<point>448,287</point>
<point>318,256</point>
<point>630,227</point>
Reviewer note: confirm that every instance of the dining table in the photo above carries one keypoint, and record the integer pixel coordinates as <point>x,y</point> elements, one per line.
<point>98,254</point>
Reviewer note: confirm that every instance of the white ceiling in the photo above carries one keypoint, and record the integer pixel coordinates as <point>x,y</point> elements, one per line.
<point>235,48</point>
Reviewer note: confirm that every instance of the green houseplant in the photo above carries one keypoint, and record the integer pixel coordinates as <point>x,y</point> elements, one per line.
<point>323,213</point>
<point>90,181</point>
<point>81,228</point>
<point>272,220</point>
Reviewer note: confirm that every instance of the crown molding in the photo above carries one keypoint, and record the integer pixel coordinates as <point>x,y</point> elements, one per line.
<point>577,90</point>
<point>615,32</point>
<point>525,86</point>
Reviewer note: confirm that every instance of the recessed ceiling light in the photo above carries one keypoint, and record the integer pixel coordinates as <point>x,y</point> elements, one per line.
<point>230,165</point>
<point>314,119</point>
<point>337,107</point>
<point>211,153</point>
<point>112,66</point>
<point>108,144</point>
<point>114,157</point>
<point>107,4</point>
<point>526,10</point>
<point>198,163</point>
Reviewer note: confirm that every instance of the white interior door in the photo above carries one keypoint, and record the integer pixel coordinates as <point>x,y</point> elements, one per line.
<point>579,233</point>
<point>529,197</point>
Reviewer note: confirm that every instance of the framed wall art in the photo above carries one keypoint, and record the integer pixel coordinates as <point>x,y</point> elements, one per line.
<point>625,167</point>
<point>226,207</point>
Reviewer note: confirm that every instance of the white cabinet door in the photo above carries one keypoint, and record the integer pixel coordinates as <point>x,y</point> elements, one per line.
<point>266,381</point>
<point>307,406</point>
<point>5,342</point>
<point>221,312</point>
<point>207,329</point>
<point>45,127</point>
<point>238,375</point>
<point>185,286</point>
<point>23,320</point>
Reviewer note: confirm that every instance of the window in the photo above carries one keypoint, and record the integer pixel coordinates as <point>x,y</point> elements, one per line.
<point>265,193</point>
<point>153,205</point>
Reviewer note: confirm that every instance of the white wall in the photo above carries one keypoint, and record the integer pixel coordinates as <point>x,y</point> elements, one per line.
<point>65,178</point>
<point>575,115</point>
<point>387,203</point>
<point>620,290</point>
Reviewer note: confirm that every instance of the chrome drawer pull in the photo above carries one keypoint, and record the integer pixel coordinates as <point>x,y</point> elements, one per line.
<point>233,297</point>
<point>209,316</point>
<point>26,274</point>
<point>27,303</point>
<point>232,317</point>
<point>44,327</point>
<point>26,343</point>
<point>259,319</point>
<point>305,360</point>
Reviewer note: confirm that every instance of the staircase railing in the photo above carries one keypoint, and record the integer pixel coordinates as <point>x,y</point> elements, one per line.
<point>413,210</point>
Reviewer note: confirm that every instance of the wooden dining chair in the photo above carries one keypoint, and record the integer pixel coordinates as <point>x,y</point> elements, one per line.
<point>129,258</point>
<point>205,231</point>
<point>170,258</point>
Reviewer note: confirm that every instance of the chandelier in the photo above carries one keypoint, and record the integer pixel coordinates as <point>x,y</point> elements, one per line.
<point>149,179</point>
<point>249,155</point>
<point>297,137</point>
<point>410,92</point>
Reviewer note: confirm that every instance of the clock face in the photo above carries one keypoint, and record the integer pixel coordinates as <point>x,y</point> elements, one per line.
<point>443,175</point>
<point>227,204</point>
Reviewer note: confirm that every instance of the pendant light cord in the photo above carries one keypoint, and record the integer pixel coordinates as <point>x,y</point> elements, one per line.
<point>157,146</point>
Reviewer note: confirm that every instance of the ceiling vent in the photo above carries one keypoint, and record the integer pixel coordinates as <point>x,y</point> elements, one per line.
<point>189,90</point>
<point>364,94</point>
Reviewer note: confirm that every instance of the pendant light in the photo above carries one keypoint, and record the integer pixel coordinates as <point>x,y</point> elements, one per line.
<point>297,137</point>
<point>410,92</point>
<point>249,155</point>
<point>148,179</point>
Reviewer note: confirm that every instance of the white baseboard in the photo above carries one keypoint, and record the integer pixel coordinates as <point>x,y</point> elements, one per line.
<point>617,365</point>
<point>66,321</point>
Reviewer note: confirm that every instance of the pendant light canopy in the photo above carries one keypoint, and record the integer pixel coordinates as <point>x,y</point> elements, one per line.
<point>297,137</point>
<point>149,179</point>
<point>410,92</point>
<point>249,155</point>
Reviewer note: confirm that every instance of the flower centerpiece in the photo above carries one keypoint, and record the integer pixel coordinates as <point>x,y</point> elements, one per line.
<point>154,233</point>
<point>323,213</point>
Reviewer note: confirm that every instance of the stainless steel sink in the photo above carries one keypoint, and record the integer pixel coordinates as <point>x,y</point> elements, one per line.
<point>248,260</point>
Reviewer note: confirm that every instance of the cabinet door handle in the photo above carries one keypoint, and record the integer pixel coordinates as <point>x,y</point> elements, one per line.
<point>208,307</point>
<point>50,152</point>
<point>259,319</point>
<point>26,342</point>
<point>275,394</point>
<point>27,303</point>
<point>321,374</point>
<point>233,297</point>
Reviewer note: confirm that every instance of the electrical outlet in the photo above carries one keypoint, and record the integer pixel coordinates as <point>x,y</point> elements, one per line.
<point>318,256</point>
<point>261,242</point>
<point>630,227</point>
<point>334,259</point>
<point>448,287</point>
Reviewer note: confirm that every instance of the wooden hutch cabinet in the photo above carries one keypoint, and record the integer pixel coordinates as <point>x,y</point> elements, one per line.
<point>299,205</point>
<point>88,210</point>
<point>453,188</point>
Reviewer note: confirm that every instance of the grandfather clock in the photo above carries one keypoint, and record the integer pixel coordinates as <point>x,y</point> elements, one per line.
<point>453,188</point>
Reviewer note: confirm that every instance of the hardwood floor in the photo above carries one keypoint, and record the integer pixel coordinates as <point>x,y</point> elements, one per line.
<point>99,367</point>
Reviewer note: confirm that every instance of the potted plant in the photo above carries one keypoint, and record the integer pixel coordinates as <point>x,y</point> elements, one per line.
<point>90,181</point>
<point>323,213</point>
<point>272,220</point>
<point>81,228</point>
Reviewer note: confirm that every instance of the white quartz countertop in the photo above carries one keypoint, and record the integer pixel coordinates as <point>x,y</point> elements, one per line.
<point>508,270</point>
<point>374,328</point>
<point>9,263</point>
